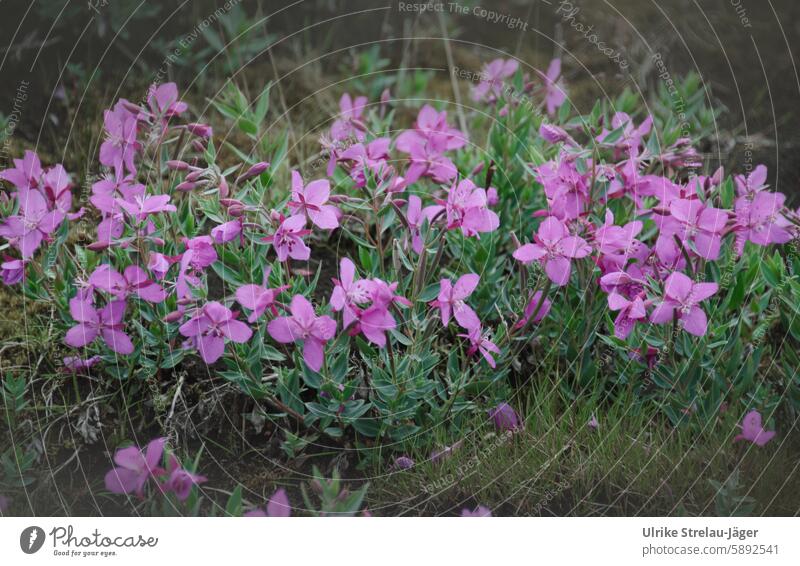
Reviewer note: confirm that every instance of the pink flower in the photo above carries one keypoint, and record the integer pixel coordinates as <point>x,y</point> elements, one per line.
<point>593,423</point>
<point>227,231</point>
<point>431,124</point>
<point>376,320</point>
<point>761,220</point>
<point>427,159</point>
<point>120,146</point>
<point>505,418</point>
<point>75,364</point>
<point>692,222</point>
<point>480,342</point>
<point>348,292</point>
<point>309,200</point>
<point>479,511</point>
<point>566,188</point>
<point>163,100</point>
<point>467,208</point>
<point>631,138</point>
<point>203,252</point>
<point>304,325</point>
<point>288,239</point>
<point>107,191</point>
<point>106,322</point>
<point>369,160</point>
<point>181,481</point>
<point>27,229</point>
<point>630,312</point>
<point>259,298</point>
<point>349,124</point>
<point>12,271</point>
<point>26,172</point>
<point>752,431</point>
<point>415,218</point>
<point>134,468</point>
<point>750,185</point>
<point>142,206</point>
<point>555,249</point>
<point>554,89</point>
<point>159,264</point>
<point>211,327</point>
<point>492,76</point>
<point>681,297</point>
<point>55,186</point>
<point>533,307</point>
<point>277,506</point>
<point>554,134</point>
<point>618,244</point>
<point>133,281</point>
<point>452,299</point>
<point>254,171</point>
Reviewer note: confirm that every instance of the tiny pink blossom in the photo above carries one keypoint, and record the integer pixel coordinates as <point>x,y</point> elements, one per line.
<point>753,431</point>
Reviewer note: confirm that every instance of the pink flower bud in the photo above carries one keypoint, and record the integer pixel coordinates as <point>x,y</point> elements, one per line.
<point>177,165</point>
<point>201,130</point>
<point>491,196</point>
<point>224,191</point>
<point>254,171</point>
<point>174,316</point>
<point>553,134</point>
<point>194,176</point>
<point>186,186</point>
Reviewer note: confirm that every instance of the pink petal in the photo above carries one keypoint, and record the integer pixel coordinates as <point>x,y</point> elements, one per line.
<point>558,269</point>
<point>312,353</point>
<point>211,348</point>
<point>284,330</point>
<point>465,285</point>
<point>80,335</point>
<point>278,505</point>
<point>117,341</point>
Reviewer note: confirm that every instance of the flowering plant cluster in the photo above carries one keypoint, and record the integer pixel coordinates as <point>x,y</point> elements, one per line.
<point>422,276</point>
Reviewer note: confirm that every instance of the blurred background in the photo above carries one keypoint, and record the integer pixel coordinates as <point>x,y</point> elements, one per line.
<point>64,61</point>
